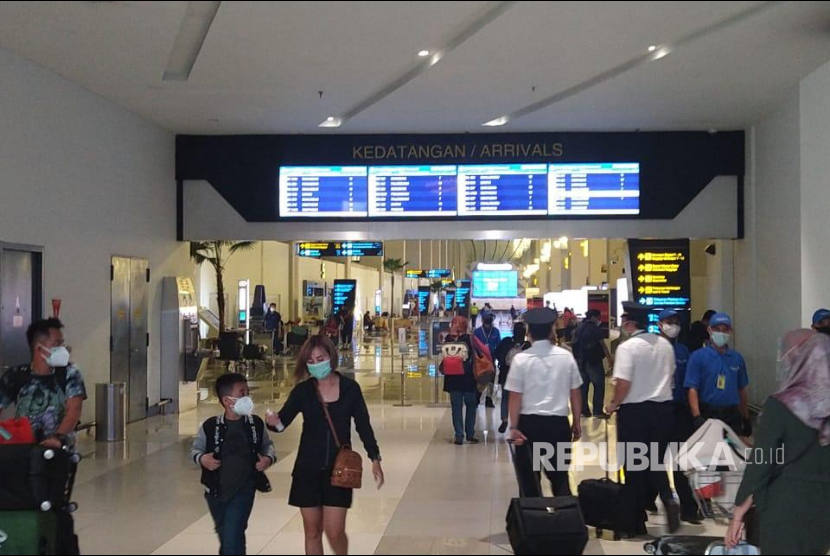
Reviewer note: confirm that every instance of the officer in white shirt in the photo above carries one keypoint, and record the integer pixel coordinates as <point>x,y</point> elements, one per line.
<point>542,380</point>
<point>643,379</point>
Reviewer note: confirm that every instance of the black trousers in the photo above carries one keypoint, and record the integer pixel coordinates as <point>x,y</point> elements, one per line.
<point>647,422</point>
<point>552,430</point>
<point>683,429</point>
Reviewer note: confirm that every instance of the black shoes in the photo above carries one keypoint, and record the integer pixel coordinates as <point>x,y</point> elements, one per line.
<point>459,442</point>
<point>651,507</point>
<point>489,402</point>
<point>503,427</point>
<point>586,414</point>
<point>673,514</point>
<point>694,519</point>
<point>473,440</point>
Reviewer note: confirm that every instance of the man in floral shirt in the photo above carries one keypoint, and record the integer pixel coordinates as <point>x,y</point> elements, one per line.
<point>50,390</point>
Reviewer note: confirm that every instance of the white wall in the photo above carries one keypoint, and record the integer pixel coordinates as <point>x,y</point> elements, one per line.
<point>768,261</point>
<point>815,191</point>
<point>86,180</point>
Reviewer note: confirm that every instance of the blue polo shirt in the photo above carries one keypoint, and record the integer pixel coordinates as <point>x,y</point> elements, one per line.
<point>681,359</point>
<point>707,369</point>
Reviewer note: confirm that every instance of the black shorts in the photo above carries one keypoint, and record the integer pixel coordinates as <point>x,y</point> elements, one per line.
<point>314,491</point>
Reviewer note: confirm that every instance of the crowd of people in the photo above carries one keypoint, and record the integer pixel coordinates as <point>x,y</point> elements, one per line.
<point>663,389</point>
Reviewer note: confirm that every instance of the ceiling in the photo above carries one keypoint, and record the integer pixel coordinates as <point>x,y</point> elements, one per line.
<point>263,63</point>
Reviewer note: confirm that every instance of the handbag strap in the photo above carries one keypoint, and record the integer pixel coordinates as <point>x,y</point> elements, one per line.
<point>326,411</point>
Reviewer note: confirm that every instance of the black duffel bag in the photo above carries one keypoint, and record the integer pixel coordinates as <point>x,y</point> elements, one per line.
<point>546,526</point>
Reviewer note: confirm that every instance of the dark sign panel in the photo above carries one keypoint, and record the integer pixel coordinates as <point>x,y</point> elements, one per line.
<point>423,300</point>
<point>660,275</point>
<point>462,296</point>
<point>416,273</point>
<point>319,249</point>
<point>344,293</point>
<point>439,273</point>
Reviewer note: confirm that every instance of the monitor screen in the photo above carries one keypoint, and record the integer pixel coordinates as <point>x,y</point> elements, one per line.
<point>503,189</point>
<point>594,188</point>
<point>412,191</point>
<point>323,191</point>
<point>343,294</point>
<point>495,283</point>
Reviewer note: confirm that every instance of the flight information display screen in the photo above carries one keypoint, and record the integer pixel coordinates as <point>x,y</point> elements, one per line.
<point>462,295</point>
<point>412,190</point>
<point>503,189</point>
<point>323,191</point>
<point>462,190</point>
<point>344,294</point>
<point>601,188</point>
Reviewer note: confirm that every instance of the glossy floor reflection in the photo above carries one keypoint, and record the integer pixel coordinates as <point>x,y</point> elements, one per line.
<point>143,495</point>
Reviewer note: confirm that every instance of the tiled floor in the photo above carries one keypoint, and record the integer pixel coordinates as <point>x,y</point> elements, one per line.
<point>143,496</point>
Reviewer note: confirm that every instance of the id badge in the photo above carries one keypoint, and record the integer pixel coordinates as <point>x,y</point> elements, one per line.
<point>721,382</point>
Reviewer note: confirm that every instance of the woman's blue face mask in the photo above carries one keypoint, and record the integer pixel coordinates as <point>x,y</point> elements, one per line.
<point>319,370</point>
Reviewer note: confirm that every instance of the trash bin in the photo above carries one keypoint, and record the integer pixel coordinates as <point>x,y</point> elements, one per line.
<point>110,412</point>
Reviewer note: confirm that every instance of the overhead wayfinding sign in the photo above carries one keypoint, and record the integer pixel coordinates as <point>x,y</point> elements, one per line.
<point>319,249</point>
<point>660,274</point>
<point>439,273</point>
<point>412,273</point>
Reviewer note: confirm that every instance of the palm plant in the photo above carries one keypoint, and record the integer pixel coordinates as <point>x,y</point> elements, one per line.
<point>217,254</point>
<point>392,266</point>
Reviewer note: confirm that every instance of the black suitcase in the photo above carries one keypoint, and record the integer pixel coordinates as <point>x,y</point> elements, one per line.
<point>546,526</point>
<point>610,506</point>
<point>36,478</point>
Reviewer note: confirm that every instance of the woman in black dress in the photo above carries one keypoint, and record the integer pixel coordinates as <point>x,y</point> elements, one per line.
<point>322,505</point>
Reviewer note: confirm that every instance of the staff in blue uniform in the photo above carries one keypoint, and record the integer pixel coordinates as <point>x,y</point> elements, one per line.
<point>683,425</point>
<point>717,379</point>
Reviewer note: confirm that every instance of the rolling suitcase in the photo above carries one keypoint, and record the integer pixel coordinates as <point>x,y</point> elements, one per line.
<point>538,525</point>
<point>609,505</point>
<point>36,478</point>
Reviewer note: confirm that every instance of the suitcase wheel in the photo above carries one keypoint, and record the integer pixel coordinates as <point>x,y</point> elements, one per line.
<point>76,459</point>
<point>72,507</point>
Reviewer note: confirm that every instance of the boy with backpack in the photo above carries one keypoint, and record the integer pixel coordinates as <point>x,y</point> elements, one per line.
<point>234,450</point>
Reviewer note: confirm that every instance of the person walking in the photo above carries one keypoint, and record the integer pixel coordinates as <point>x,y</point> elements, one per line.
<point>505,353</point>
<point>490,336</point>
<point>590,350</point>
<point>321,390</point>
<point>791,496</point>
<point>462,388</point>
<point>543,380</point>
<point>643,377</point>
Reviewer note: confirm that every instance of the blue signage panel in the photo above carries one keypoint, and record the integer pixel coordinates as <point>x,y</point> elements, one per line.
<point>495,283</point>
<point>594,189</point>
<point>449,300</point>
<point>412,190</point>
<point>344,293</point>
<point>319,249</point>
<point>462,295</point>
<point>323,191</point>
<point>423,300</point>
<point>439,273</point>
<point>503,189</point>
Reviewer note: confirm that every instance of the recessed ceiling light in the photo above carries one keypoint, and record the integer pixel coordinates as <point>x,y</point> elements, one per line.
<point>423,53</point>
<point>652,48</point>
<point>660,53</point>
<point>331,121</point>
<point>501,120</point>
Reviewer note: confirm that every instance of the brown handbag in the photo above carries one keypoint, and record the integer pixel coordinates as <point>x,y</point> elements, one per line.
<point>348,465</point>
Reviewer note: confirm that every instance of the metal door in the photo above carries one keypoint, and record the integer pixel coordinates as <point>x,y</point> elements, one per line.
<point>120,321</point>
<point>20,302</point>
<point>138,340</point>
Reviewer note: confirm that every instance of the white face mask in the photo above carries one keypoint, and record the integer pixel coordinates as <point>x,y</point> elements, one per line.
<point>670,330</point>
<point>244,407</point>
<point>720,339</point>
<point>58,357</point>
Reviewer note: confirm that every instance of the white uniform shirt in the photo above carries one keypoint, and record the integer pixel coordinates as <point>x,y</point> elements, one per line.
<point>647,362</point>
<point>545,375</point>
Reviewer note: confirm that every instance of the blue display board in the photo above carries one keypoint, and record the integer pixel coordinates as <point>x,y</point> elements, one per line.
<point>495,283</point>
<point>412,190</point>
<point>449,300</point>
<point>323,191</point>
<point>439,273</point>
<point>503,189</point>
<point>601,188</point>
<point>319,249</point>
<point>462,295</point>
<point>344,293</point>
<point>423,300</point>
